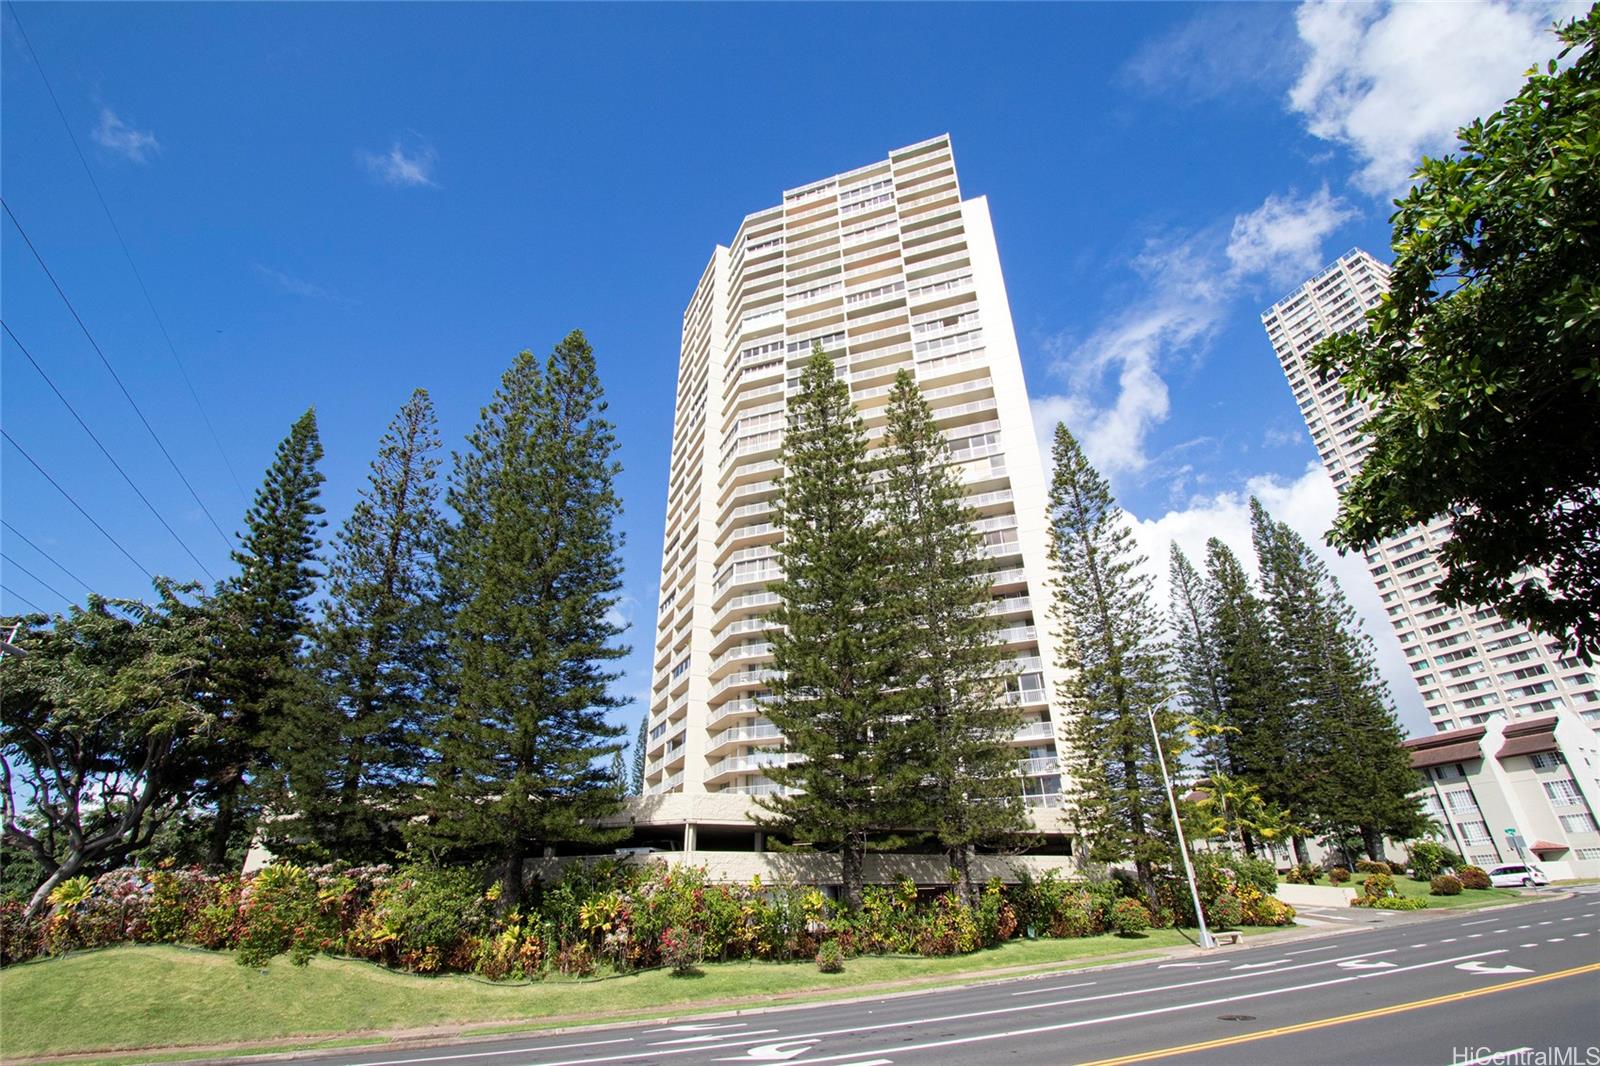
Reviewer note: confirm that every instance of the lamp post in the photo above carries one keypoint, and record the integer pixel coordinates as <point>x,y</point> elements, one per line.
<point>1206,939</point>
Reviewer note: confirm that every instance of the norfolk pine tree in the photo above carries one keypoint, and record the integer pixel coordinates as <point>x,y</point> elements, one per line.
<point>1198,663</point>
<point>959,726</point>
<point>1347,740</point>
<point>1115,668</point>
<point>378,653</point>
<point>636,778</point>
<point>529,575</point>
<point>264,619</point>
<point>838,649</point>
<point>1256,706</point>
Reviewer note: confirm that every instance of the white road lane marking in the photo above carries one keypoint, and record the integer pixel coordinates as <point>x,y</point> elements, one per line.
<point>777,1051</point>
<point>1478,966</point>
<point>1056,988</point>
<point>1307,951</point>
<point>1480,921</point>
<point>841,1060</point>
<point>1364,964</point>
<point>696,1027</point>
<point>1260,965</point>
<point>510,1051</point>
<point>707,1038</point>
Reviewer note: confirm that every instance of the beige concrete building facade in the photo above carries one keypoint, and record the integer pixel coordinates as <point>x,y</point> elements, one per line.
<point>1469,664</point>
<point>890,268</point>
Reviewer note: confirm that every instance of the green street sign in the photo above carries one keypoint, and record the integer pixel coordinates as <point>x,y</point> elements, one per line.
<point>1511,832</point>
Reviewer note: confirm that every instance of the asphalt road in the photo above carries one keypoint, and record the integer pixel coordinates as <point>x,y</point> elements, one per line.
<point>1449,990</point>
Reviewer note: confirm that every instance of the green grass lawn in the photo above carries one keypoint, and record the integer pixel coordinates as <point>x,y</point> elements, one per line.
<point>1469,897</point>
<point>159,996</point>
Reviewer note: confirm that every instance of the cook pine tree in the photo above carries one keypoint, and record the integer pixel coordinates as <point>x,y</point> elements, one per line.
<point>960,717</point>
<point>838,642</point>
<point>1354,773</point>
<point>264,619</point>
<point>377,657</point>
<point>529,574</point>
<point>1114,662</point>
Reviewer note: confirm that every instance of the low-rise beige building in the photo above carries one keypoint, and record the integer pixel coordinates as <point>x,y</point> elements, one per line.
<point>1516,790</point>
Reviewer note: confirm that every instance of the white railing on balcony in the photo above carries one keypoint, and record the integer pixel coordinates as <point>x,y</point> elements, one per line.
<point>750,734</point>
<point>665,786</point>
<point>734,708</point>
<point>1049,799</point>
<point>743,651</point>
<point>748,600</point>
<point>743,679</point>
<point>1009,605</point>
<point>747,625</point>
<point>1017,634</point>
<point>750,764</point>
<point>765,789</point>
<point>1035,730</point>
<point>1048,764</point>
<point>989,499</point>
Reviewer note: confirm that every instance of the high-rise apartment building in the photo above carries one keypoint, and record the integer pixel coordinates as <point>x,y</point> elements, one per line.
<point>889,269</point>
<point>1470,664</point>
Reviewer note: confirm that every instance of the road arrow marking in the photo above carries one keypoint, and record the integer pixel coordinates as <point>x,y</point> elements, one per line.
<point>1365,964</point>
<point>1259,965</point>
<point>1476,966</point>
<point>777,1051</point>
<point>708,1038</point>
<point>701,1027</point>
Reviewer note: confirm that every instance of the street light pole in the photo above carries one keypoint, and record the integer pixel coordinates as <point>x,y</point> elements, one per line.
<point>1206,939</point>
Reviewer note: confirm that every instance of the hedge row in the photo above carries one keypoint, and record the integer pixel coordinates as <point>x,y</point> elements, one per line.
<point>601,915</point>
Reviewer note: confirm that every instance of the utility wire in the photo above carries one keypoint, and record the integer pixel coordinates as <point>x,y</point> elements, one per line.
<point>125,252</point>
<point>14,594</point>
<point>114,543</point>
<point>12,562</point>
<point>50,558</point>
<point>103,449</point>
<point>107,364</point>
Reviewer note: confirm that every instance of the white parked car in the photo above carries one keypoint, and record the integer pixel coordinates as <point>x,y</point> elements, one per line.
<point>1517,876</point>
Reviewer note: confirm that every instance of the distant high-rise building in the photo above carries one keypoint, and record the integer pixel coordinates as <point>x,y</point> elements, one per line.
<point>1470,664</point>
<point>889,269</point>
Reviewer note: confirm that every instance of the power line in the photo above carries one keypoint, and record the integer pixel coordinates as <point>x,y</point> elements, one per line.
<point>103,449</point>
<point>48,557</point>
<point>12,441</point>
<point>35,576</point>
<point>126,253</point>
<point>107,364</point>
<point>14,594</point>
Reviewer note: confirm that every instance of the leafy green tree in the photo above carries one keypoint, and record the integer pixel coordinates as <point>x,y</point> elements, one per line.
<point>359,744</point>
<point>841,639</point>
<point>1115,667</point>
<point>104,712</point>
<point>1346,739</point>
<point>960,725</point>
<point>529,574</point>
<point>1480,362</point>
<point>265,618</point>
<point>1258,722</point>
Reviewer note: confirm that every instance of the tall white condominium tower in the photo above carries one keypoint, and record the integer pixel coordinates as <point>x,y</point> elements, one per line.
<point>1469,664</point>
<point>889,268</point>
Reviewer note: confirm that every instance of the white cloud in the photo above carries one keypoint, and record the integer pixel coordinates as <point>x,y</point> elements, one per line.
<point>404,166</point>
<point>1307,504</point>
<point>1190,287</point>
<point>1392,82</point>
<point>1281,240</point>
<point>1224,48</point>
<point>117,136</point>
<point>299,286</point>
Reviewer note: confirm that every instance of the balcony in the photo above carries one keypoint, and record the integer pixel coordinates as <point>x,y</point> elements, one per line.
<point>735,709</point>
<point>759,678</point>
<point>760,733</point>
<point>1017,635</point>
<point>749,764</point>
<point>1048,764</point>
<point>665,786</point>
<point>1034,730</point>
<point>742,653</point>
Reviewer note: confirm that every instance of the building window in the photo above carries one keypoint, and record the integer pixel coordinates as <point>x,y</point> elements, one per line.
<point>1546,760</point>
<point>1462,801</point>
<point>1588,854</point>
<point>1474,832</point>
<point>1563,793</point>
<point>1578,823</point>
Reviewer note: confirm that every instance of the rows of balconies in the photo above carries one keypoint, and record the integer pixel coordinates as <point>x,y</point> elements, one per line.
<point>761,732</point>
<point>750,764</point>
<point>742,708</point>
<point>742,653</point>
<point>744,679</point>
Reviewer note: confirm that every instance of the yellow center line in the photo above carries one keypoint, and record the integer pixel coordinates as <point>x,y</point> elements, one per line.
<point>1304,1027</point>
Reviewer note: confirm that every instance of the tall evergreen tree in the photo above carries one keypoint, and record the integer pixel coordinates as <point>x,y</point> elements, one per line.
<point>1114,663</point>
<point>640,742</point>
<point>838,646</point>
<point>265,618</point>
<point>1355,773</point>
<point>1257,710</point>
<point>1200,683</point>
<point>529,575</point>
<point>358,750</point>
<point>959,725</point>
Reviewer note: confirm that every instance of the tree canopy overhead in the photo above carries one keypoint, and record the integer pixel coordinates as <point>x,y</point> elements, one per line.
<point>1482,364</point>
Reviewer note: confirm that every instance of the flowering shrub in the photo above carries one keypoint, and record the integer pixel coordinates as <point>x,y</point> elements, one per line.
<point>682,949</point>
<point>1128,916</point>
<point>1379,891</point>
<point>1473,877</point>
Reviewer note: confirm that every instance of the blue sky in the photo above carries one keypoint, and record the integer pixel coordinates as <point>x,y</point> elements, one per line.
<point>333,204</point>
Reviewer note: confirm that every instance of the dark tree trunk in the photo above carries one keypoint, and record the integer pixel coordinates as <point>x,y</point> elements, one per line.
<point>1372,840</point>
<point>222,829</point>
<point>853,870</point>
<point>960,858</point>
<point>1249,843</point>
<point>511,867</point>
<point>1302,854</point>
